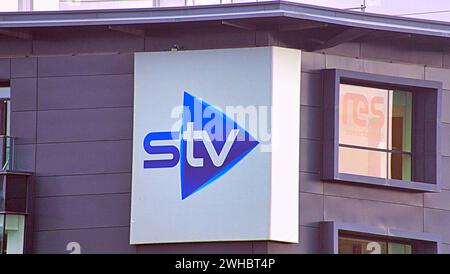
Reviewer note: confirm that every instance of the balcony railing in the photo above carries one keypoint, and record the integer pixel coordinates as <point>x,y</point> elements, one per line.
<point>7,152</point>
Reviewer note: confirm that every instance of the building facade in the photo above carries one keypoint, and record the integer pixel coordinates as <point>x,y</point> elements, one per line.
<point>379,183</point>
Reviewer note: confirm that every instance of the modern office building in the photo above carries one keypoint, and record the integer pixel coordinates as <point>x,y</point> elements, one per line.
<point>320,131</point>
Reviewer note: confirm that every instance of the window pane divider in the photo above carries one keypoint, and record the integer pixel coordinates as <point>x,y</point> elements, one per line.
<point>376,149</point>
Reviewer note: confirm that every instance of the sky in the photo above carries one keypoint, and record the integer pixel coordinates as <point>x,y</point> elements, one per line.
<point>430,9</point>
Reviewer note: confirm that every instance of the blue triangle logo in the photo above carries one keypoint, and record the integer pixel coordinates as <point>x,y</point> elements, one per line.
<point>211,144</point>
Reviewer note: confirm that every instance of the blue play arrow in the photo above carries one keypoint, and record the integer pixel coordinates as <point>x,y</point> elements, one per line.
<point>200,164</point>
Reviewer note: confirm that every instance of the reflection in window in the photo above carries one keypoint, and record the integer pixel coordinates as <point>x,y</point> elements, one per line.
<point>349,244</point>
<point>400,135</point>
<point>375,128</point>
<point>362,162</point>
<point>12,233</point>
<point>5,128</point>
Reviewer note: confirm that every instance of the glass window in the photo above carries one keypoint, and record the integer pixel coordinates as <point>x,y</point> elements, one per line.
<point>362,162</point>
<point>12,233</point>
<point>375,132</point>
<point>2,234</point>
<point>5,126</point>
<point>2,194</point>
<point>349,244</point>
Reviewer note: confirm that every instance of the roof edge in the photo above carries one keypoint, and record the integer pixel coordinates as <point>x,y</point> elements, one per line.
<point>224,12</point>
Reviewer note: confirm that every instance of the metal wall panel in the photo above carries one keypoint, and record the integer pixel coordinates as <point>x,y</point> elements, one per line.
<point>438,221</point>
<point>90,64</point>
<point>82,211</point>
<point>197,248</point>
<point>83,184</point>
<point>309,243</point>
<point>89,40</point>
<point>23,96</point>
<point>312,89</point>
<point>373,213</point>
<point>310,155</point>
<point>83,158</point>
<point>310,122</point>
<point>23,125</point>
<point>95,240</point>
<point>77,92</point>
<point>376,194</point>
<point>311,206</point>
<point>85,125</point>
<point>23,67</point>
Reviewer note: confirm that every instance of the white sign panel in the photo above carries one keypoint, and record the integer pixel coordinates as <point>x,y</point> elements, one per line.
<point>216,146</point>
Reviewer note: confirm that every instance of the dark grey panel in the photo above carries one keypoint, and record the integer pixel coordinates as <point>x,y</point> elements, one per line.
<point>445,248</point>
<point>24,157</point>
<point>350,49</point>
<point>370,66</point>
<point>200,39</point>
<point>88,40</point>
<point>310,122</point>
<point>5,69</point>
<point>311,209</point>
<point>370,193</point>
<point>23,126</point>
<point>310,182</point>
<point>438,200</point>
<point>404,51</point>
<point>310,156</point>
<point>85,92</point>
<point>266,38</point>
<point>445,109</point>
<point>10,46</point>
<point>89,211</point>
<point>85,125</point>
<point>439,74</point>
<point>23,67</point>
<point>447,58</point>
<point>309,243</point>
<point>83,158</point>
<point>23,94</point>
<point>83,184</point>
<point>438,221</point>
<point>312,62</point>
<point>445,143</point>
<point>373,213</point>
<point>445,172</point>
<point>197,248</point>
<point>312,89</point>
<point>394,69</point>
<point>260,247</point>
<point>96,240</point>
<point>341,62</point>
<point>85,65</point>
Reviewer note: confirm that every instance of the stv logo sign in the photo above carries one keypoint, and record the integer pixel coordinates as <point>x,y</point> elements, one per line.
<point>210,145</point>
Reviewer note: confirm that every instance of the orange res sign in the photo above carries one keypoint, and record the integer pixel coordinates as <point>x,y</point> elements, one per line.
<point>361,108</point>
<point>363,123</point>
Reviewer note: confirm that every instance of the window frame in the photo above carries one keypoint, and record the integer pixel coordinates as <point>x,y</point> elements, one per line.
<point>421,242</point>
<point>330,153</point>
<point>376,238</point>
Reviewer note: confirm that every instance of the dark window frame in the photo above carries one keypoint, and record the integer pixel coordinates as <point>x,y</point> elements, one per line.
<point>376,238</point>
<point>425,88</point>
<point>422,242</point>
